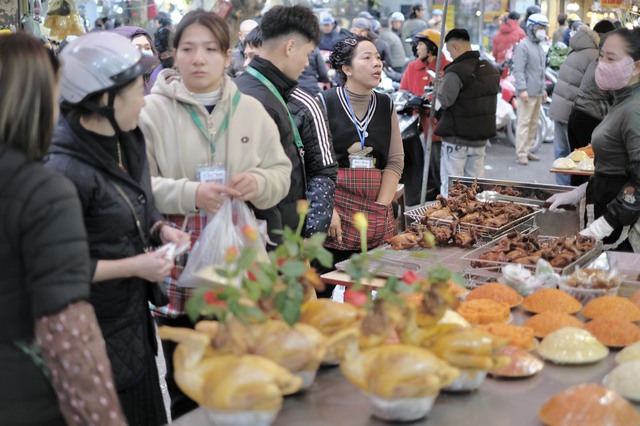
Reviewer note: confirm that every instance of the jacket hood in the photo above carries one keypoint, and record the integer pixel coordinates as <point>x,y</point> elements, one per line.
<point>509,26</point>
<point>584,38</point>
<point>169,84</point>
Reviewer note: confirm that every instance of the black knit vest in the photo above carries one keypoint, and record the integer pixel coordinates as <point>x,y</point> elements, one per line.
<point>473,115</point>
<point>344,132</point>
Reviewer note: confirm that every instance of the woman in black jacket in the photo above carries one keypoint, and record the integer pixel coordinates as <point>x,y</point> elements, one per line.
<point>47,323</point>
<point>98,145</point>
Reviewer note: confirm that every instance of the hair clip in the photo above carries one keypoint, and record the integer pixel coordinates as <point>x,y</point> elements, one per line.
<point>350,41</point>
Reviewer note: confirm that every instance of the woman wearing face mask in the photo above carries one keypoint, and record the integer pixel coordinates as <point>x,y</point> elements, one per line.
<point>142,40</point>
<point>164,46</point>
<point>368,147</point>
<point>612,193</point>
<point>98,146</point>
<point>196,120</point>
<point>414,80</point>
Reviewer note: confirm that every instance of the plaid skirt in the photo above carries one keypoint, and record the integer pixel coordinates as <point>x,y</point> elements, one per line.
<point>357,191</point>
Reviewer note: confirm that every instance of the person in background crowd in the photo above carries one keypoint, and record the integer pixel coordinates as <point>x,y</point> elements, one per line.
<point>612,207</point>
<point>330,33</point>
<point>252,43</point>
<point>368,147</point>
<point>415,23</point>
<point>97,144</point>
<point>397,59</point>
<point>584,50</point>
<point>572,19</point>
<point>529,64</point>
<point>314,73</point>
<point>590,106</point>
<point>142,40</point>
<point>164,21</point>
<point>381,45</point>
<point>530,11</point>
<point>558,34</point>
<point>289,35</point>
<point>100,24</point>
<point>164,46</point>
<point>255,167</point>
<point>436,19</point>
<point>491,30</point>
<point>360,27</point>
<point>468,104</point>
<point>49,324</point>
<point>320,165</point>
<point>414,79</point>
<point>508,35</point>
<point>237,55</point>
<point>397,21</point>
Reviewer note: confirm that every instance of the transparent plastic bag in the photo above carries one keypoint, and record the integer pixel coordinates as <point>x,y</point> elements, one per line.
<point>223,230</point>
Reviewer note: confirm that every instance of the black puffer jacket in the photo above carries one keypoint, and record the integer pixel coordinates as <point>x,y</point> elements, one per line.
<point>121,305</point>
<point>284,214</point>
<point>44,260</point>
<point>319,159</point>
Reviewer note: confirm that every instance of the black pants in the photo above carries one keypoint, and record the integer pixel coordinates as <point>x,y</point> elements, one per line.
<point>181,404</point>
<point>580,128</point>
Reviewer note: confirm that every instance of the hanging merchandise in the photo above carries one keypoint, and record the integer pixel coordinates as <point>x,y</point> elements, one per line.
<point>31,20</point>
<point>63,19</point>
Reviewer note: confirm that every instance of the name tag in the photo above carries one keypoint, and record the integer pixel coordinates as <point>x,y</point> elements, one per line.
<point>213,174</point>
<point>361,162</point>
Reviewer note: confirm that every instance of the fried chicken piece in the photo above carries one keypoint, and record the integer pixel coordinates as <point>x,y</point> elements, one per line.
<point>562,260</point>
<point>527,260</point>
<point>404,241</point>
<point>464,239</point>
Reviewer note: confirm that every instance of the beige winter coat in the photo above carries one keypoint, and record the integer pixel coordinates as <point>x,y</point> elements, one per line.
<point>176,146</point>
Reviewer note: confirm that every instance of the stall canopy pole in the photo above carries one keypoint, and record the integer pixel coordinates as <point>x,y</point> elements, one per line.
<point>436,83</point>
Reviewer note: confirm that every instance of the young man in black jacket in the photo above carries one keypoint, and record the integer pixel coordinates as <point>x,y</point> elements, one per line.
<point>289,35</point>
<point>468,102</point>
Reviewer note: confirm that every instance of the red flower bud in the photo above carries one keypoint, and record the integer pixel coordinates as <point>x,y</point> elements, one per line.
<point>410,277</point>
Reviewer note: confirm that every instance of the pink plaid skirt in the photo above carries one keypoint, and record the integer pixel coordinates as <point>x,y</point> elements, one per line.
<point>357,191</point>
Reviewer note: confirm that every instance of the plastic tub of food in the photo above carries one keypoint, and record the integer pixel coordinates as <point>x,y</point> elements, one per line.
<point>241,418</point>
<point>469,380</point>
<point>585,295</point>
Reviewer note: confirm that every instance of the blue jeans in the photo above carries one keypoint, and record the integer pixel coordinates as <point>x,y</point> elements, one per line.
<point>561,148</point>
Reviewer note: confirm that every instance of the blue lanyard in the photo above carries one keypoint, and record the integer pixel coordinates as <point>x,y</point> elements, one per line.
<point>361,134</point>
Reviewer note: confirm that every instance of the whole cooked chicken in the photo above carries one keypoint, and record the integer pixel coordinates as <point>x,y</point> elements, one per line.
<point>469,348</point>
<point>227,382</point>
<point>398,371</point>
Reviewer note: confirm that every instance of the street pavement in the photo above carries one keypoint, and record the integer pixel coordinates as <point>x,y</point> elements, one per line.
<point>500,163</point>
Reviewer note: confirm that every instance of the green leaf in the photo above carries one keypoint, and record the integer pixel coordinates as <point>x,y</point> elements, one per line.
<point>290,311</point>
<point>253,290</point>
<point>194,307</point>
<point>324,257</point>
<point>246,259</point>
<point>459,279</point>
<point>292,248</point>
<point>316,240</point>
<point>293,268</point>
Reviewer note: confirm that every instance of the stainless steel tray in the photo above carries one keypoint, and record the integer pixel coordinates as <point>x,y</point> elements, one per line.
<point>386,262</point>
<point>488,266</point>
<point>484,233</point>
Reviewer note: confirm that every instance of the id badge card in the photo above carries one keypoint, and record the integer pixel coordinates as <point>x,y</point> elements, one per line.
<point>216,173</point>
<point>357,162</point>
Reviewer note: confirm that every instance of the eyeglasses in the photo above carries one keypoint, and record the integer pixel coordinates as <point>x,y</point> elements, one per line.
<point>350,41</point>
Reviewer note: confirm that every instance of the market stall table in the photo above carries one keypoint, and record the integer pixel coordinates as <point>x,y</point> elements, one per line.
<point>334,401</point>
<point>575,172</point>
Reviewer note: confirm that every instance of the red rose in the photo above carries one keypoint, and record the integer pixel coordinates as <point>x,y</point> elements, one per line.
<point>211,298</point>
<point>410,277</point>
<point>355,297</point>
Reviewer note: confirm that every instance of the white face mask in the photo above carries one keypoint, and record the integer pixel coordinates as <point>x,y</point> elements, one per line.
<point>541,35</point>
<point>147,52</point>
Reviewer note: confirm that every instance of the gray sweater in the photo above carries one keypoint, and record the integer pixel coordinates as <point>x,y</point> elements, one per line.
<point>529,64</point>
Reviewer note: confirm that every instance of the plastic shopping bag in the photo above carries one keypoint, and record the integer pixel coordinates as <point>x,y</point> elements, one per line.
<point>223,230</point>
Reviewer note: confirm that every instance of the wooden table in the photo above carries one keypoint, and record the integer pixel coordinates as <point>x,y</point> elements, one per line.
<point>575,172</point>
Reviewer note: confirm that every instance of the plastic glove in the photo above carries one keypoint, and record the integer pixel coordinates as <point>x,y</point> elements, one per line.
<point>570,197</point>
<point>599,229</point>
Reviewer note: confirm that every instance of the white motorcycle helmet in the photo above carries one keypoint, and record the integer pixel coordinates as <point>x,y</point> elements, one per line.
<point>537,19</point>
<point>98,62</point>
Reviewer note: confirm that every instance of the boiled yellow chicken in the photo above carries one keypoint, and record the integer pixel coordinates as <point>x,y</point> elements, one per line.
<point>297,348</point>
<point>398,371</point>
<point>227,382</point>
<point>340,322</point>
<point>469,348</point>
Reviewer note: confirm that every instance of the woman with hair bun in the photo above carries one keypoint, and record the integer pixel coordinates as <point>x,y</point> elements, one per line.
<point>368,148</point>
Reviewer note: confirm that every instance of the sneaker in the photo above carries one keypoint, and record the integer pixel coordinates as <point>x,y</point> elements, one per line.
<point>533,157</point>
<point>523,160</point>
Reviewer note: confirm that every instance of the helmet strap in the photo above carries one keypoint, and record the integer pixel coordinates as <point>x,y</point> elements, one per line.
<point>110,113</point>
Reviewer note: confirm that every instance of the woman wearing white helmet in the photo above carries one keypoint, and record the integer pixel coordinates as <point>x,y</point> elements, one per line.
<point>98,146</point>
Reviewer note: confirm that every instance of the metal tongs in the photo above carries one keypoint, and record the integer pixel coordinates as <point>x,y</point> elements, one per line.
<point>491,196</point>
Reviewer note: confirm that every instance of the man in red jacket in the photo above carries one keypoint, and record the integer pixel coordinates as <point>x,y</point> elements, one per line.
<point>509,34</point>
